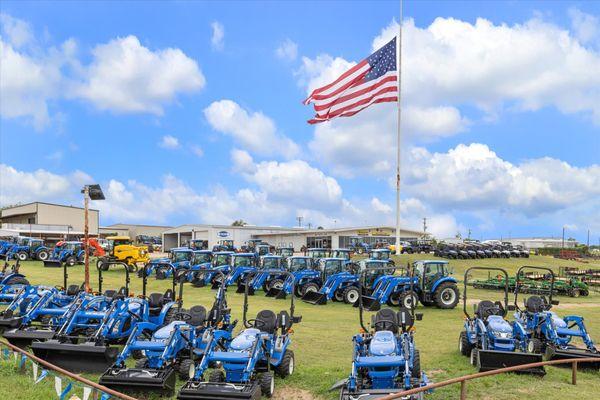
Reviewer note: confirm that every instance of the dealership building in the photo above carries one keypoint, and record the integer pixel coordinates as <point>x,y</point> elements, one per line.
<point>279,236</point>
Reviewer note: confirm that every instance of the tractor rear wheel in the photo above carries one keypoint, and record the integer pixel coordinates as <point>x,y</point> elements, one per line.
<point>22,256</point>
<point>216,376</point>
<point>267,384</point>
<point>185,369</point>
<point>351,295</point>
<point>286,367</point>
<point>416,369</point>
<point>42,255</point>
<point>408,300</point>
<point>70,261</point>
<point>475,357</point>
<point>464,346</point>
<point>141,363</point>
<point>446,295</point>
<point>310,287</point>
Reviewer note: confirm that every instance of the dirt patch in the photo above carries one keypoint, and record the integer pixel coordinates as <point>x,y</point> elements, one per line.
<point>290,393</point>
<point>434,372</point>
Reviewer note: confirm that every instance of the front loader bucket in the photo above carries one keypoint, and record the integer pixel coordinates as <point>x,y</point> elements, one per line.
<point>193,390</point>
<point>140,380</point>
<point>493,359</point>
<point>573,353</point>
<point>52,263</point>
<point>242,288</point>
<point>84,357</point>
<point>277,293</point>
<point>369,303</point>
<point>317,298</point>
<point>23,338</point>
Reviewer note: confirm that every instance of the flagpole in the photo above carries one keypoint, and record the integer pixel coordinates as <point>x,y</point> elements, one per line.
<point>399,141</point>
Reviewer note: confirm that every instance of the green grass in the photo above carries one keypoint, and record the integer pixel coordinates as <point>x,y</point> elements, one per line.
<point>323,341</point>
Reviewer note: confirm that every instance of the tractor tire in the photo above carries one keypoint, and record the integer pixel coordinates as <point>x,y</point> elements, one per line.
<point>17,280</point>
<point>137,354</point>
<point>141,363</point>
<point>416,370</point>
<point>574,293</point>
<point>216,376</point>
<point>585,293</point>
<point>275,283</point>
<point>104,265</point>
<point>287,365</point>
<point>464,346</point>
<point>446,296</point>
<point>42,255</point>
<point>160,275</point>
<point>22,256</point>
<point>408,299</point>
<point>185,369</point>
<point>475,358</point>
<point>393,300</point>
<point>70,261</point>
<point>534,346</point>
<point>267,384</point>
<point>310,287</point>
<point>298,290</point>
<point>351,295</point>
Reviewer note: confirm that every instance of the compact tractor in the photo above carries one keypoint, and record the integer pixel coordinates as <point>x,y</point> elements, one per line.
<point>122,250</point>
<point>26,248</point>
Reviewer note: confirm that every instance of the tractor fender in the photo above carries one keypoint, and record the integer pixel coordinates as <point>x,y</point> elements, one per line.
<point>9,276</point>
<point>442,280</point>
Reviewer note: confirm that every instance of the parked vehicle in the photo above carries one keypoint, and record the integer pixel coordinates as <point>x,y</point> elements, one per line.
<point>26,248</point>
<point>122,250</point>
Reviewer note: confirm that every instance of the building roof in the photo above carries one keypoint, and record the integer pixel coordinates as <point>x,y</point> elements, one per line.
<point>39,202</point>
<point>348,229</point>
<point>120,224</point>
<point>204,227</point>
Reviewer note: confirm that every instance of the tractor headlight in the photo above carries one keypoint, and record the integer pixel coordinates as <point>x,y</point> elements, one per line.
<point>503,335</point>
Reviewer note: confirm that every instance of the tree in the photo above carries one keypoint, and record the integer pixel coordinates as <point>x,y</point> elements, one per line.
<point>239,222</point>
<point>320,228</point>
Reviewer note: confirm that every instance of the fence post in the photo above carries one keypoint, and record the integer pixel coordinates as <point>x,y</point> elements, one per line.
<point>463,390</point>
<point>574,373</point>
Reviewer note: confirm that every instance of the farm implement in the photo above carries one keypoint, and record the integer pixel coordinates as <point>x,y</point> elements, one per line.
<point>11,281</point>
<point>548,334</point>
<point>302,272</point>
<point>488,338</point>
<point>269,274</point>
<point>69,253</point>
<point>536,283</point>
<point>85,342</point>
<point>171,350</point>
<point>245,365</point>
<point>385,358</point>
<point>25,248</point>
<point>330,284</point>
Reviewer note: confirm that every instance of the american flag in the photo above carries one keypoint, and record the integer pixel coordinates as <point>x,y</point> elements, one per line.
<point>373,80</point>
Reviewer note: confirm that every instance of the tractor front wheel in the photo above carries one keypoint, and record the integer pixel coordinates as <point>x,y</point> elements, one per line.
<point>416,369</point>
<point>274,284</point>
<point>216,376</point>
<point>22,256</point>
<point>464,346</point>
<point>141,363</point>
<point>351,295</point>
<point>286,367</point>
<point>310,287</point>
<point>42,255</point>
<point>267,384</point>
<point>534,346</point>
<point>408,300</point>
<point>338,295</point>
<point>70,261</point>
<point>446,295</point>
<point>185,369</point>
<point>475,357</point>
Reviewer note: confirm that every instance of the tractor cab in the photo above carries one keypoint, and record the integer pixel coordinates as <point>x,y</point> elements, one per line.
<point>380,254</point>
<point>373,269</point>
<point>346,254</point>
<point>198,244</point>
<point>224,245</point>
<point>435,285</point>
<point>285,252</point>
<point>430,271</point>
<point>330,266</point>
<point>317,253</point>
<point>202,257</point>
<point>271,262</point>
<point>243,260</point>
<point>221,258</point>
<point>299,263</point>
<point>262,249</point>
<point>181,256</point>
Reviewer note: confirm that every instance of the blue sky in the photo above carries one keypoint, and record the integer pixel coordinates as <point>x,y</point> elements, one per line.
<point>191,112</point>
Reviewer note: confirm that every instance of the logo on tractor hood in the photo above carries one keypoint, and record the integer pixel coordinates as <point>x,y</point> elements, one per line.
<point>223,234</point>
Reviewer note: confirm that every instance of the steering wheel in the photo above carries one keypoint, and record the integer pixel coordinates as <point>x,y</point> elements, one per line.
<point>495,310</point>
<point>384,324</point>
<point>256,323</point>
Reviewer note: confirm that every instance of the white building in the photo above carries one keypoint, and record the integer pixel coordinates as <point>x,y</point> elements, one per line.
<point>540,243</point>
<point>278,236</point>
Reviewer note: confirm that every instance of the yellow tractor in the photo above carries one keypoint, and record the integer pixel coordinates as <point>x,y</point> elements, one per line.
<point>122,250</point>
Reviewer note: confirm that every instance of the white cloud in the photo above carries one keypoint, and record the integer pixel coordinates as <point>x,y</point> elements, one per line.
<point>379,206</point>
<point>474,177</point>
<point>17,31</point>
<point>242,161</point>
<point>169,142</point>
<point>452,64</point>
<point>585,26</point>
<point>217,39</point>
<point>126,77</point>
<point>197,151</point>
<point>252,130</point>
<point>288,50</point>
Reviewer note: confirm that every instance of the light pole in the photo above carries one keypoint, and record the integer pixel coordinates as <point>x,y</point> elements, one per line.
<point>563,238</point>
<point>69,227</point>
<point>90,192</point>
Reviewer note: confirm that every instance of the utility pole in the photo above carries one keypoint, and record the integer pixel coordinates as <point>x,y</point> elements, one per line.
<point>86,202</point>
<point>469,237</point>
<point>588,239</point>
<point>299,218</point>
<point>563,238</point>
<point>424,226</point>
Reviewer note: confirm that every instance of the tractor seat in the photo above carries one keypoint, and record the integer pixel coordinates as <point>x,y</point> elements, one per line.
<point>114,294</point>
<point>386,320</point>
<point>383,343</point>
<point>198,314</point>
<point>269,320</point>
<point>497,323</point>
<point>487,308</point>
<point>244,340</point>
<point>73,290</point>
<point>535,304</point>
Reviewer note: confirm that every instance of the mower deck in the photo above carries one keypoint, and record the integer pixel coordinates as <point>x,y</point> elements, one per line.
<point>83,357</point>
<point>140,380</point>
<point>219,391</point>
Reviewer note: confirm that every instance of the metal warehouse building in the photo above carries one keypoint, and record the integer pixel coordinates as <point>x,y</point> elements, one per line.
<point>278,236</point>
<point>132,230</point>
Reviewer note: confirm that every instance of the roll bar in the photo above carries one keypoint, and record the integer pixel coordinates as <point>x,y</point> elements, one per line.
<point>101,279</point>
<point>249,278</point>
<point>517,282</point>
<point>176,274</point>
<point>503,271</point>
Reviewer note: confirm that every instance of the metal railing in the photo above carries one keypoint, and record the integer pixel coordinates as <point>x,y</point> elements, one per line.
<point>463,379</point>
<point>71,375</point>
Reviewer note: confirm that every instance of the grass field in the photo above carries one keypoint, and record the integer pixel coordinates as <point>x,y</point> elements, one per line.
<point>323,341</point>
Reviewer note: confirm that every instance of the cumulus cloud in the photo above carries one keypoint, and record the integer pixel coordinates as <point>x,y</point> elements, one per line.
<point>169,142</point>
<point>127,77</point>
<point>474,177</point>
<point>217,40</point>
<point>585,26</point>
<point>17,31</point>
<point>379,206</point>
<point>288,50</point>
<point>451,64</point>
<point>197,151</point>
<point>251,130</point>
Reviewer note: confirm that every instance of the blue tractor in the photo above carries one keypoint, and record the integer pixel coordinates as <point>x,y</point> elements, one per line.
<point>5,246</point>
<point>179,258</point>
<point>242,264</point>
<point>489,339</point>
<point>436,287</point>
<point>358,245</point>
<point>245,366</point>
<point>373,274</point>
<point>303,271</point>
<point>10,275</point>
<point>285,252</point>
<point>27,248</point>
<point>69,253</point>
<point>385,358</point>
<point>548,334</point>
<point>201,261</point>
<point>262,249</point>
<point>316,253</point>
<point>330,285</point>
<point>171,350</point>
<point>222,262</point>
<point>269,274</point>
<point>87,344</point>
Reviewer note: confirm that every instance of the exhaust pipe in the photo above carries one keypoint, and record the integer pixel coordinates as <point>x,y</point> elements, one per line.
<point>493,359</point>
<point>83,357</point>
<point>140,380</point>
<point>194,390</point>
